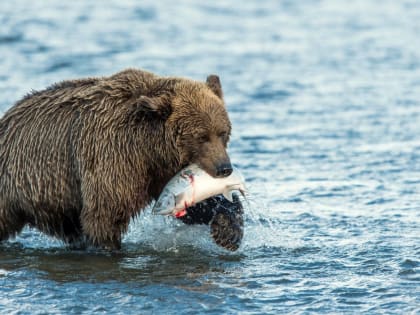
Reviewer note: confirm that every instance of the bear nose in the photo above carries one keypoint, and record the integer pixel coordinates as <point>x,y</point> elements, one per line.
<point>224,170</point>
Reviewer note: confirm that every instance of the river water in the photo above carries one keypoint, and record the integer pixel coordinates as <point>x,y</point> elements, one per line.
<point>324,101</point>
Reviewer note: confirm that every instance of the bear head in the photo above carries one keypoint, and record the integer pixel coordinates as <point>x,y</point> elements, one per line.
<point>197,122</point>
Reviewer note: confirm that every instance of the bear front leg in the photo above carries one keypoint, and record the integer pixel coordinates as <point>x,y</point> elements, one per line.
<point>107,205</point>
<point>102,227</point>
<point>224,217</point>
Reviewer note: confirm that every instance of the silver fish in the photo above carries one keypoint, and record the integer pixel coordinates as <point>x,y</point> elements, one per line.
<point>192,185</point>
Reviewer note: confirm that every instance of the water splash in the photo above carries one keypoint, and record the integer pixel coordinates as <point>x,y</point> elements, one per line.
<point>163,233</point>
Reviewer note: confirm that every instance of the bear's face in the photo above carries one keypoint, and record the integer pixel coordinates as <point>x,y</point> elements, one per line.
<point>202,127</point>
<point>195,120</point>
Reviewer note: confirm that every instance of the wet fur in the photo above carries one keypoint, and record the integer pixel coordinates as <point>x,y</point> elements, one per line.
<point>224,217</point>
<point>82,157</point>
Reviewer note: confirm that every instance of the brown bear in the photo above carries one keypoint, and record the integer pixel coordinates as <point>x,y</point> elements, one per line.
<point>82,157</point>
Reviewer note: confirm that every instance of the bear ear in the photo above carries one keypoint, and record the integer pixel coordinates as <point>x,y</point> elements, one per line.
<point>159,106</point>
<point>213,82</point>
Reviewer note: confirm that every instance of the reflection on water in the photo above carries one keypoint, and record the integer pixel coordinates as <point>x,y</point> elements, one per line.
<point>143,266</point>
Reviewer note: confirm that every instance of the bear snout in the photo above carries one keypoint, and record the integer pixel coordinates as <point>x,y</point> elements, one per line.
<point>224,169</point>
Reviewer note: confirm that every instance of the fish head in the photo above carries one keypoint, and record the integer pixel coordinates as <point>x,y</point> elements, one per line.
<point>165,204</point>
<point>177,193</point>
<point>172,204</point>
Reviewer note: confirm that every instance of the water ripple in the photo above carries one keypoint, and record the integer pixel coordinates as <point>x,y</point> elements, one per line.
<point>323,98</point>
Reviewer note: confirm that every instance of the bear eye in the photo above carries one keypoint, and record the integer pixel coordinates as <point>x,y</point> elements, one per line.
<point>223,135</point>
<point>203,138</point>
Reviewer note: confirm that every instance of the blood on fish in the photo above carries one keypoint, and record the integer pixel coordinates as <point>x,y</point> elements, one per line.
<point>180,213</point>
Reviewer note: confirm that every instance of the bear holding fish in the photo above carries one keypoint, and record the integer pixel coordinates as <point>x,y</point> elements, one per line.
<point>219,205</point>
<point>81,158</point>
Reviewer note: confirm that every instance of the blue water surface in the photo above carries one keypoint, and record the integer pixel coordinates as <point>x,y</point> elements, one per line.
<point>324,97</point>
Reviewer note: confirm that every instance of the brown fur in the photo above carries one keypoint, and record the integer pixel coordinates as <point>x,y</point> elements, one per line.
<point>82,157</point>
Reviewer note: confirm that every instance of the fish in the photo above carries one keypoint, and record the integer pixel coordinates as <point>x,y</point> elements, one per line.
<point>192,185</point>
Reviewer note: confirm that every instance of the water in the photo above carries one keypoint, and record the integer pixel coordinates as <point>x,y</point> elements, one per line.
<point>324,100</point>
